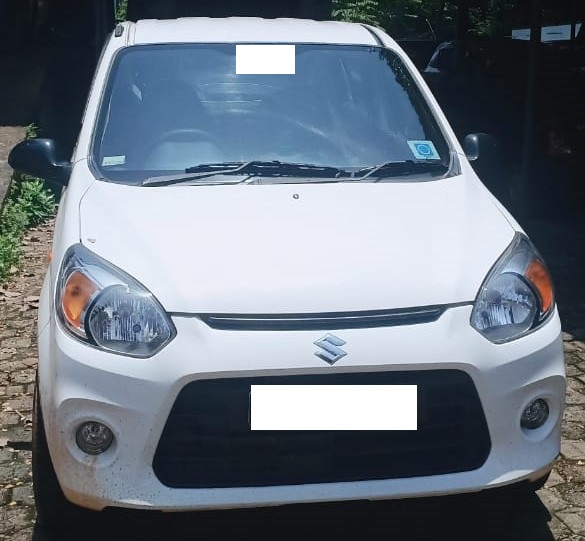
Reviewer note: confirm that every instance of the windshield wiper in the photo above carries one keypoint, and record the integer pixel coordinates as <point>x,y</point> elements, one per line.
<point>255,167</point>
<point>401,168</point>
<point>275,168</point>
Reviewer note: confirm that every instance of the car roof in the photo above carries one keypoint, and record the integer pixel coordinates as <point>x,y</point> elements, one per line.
<point>250,30</point>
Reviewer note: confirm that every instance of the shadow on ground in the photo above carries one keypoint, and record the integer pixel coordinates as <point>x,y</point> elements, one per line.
<point>459,518</point>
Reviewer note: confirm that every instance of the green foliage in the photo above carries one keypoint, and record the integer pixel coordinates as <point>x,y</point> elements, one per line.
<point>35,200</point>
<point>418,19</point>
<point>32,131</point>
<point>13,221</point>
<point>27,204</point>
<point>489,20</point>
<point>13,218</point>
<point>358,11</point>
<point>121,10</point>
<point>423,19</point>
<point>9,255</point>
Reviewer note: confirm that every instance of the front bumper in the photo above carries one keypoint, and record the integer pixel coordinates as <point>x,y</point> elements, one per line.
<point>134,398</point>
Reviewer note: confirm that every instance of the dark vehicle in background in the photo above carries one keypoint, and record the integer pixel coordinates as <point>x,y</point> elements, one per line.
<point>462,77</point>
<point>566,123</point>
<point>481,85</point>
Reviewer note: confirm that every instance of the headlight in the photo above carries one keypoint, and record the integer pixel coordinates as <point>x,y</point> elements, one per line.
<point>99,304</point>
<point>516,297</point>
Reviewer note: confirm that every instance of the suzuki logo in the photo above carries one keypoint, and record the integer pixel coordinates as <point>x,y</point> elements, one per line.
<point>331,351</point>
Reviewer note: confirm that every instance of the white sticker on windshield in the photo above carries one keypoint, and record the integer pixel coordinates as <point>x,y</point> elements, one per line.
<point>265,59</point>
<point>424,150</point>
<point>114,160</point>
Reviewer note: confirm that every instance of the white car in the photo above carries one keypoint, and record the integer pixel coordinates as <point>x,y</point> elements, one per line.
<point>260,203</point>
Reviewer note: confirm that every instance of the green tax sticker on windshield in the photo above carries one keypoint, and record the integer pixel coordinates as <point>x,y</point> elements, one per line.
<point>265,59</point>
<point>114,160</point>
<point>423,150</point>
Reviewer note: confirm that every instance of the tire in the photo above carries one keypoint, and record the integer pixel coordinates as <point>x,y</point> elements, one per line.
<point>53,508</point>
<point>539,483</point>
<point>523,489</point>
<point>530,487</point>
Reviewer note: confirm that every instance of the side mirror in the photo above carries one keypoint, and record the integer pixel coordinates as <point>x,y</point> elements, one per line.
<point>483,152</point>
<point>481,149</point>
<point>40,158</point>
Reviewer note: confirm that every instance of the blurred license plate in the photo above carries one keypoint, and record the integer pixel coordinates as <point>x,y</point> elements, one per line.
<point>333,407</point>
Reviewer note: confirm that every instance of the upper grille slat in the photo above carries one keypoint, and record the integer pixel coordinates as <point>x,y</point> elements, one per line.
<point>323,321</point>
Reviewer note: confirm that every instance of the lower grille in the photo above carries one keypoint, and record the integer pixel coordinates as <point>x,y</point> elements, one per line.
<point>207,441</point>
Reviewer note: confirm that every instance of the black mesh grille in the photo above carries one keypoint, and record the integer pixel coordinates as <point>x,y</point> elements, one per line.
<point>207,441</point>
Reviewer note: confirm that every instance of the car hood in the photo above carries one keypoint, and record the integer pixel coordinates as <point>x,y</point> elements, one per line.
<point>285,248</point>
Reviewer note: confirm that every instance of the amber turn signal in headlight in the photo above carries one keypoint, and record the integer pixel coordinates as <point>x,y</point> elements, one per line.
<point>76,296</point>
<point>540,280</point>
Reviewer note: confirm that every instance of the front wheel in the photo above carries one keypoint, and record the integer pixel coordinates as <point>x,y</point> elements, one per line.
<point>524,490</point>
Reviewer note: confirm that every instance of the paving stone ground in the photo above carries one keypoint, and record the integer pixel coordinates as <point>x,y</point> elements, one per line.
<point>18,358</point>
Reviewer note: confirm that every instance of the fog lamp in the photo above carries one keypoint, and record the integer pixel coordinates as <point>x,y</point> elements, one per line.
<point>94,438</point>
<point>535,414</point>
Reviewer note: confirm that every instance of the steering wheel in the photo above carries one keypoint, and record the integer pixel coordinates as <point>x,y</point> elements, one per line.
<point>316,141</point>
<point>182,134</point>
<point>159,152</point>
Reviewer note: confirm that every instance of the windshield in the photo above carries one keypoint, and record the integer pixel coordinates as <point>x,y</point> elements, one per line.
<point>172,108</point>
